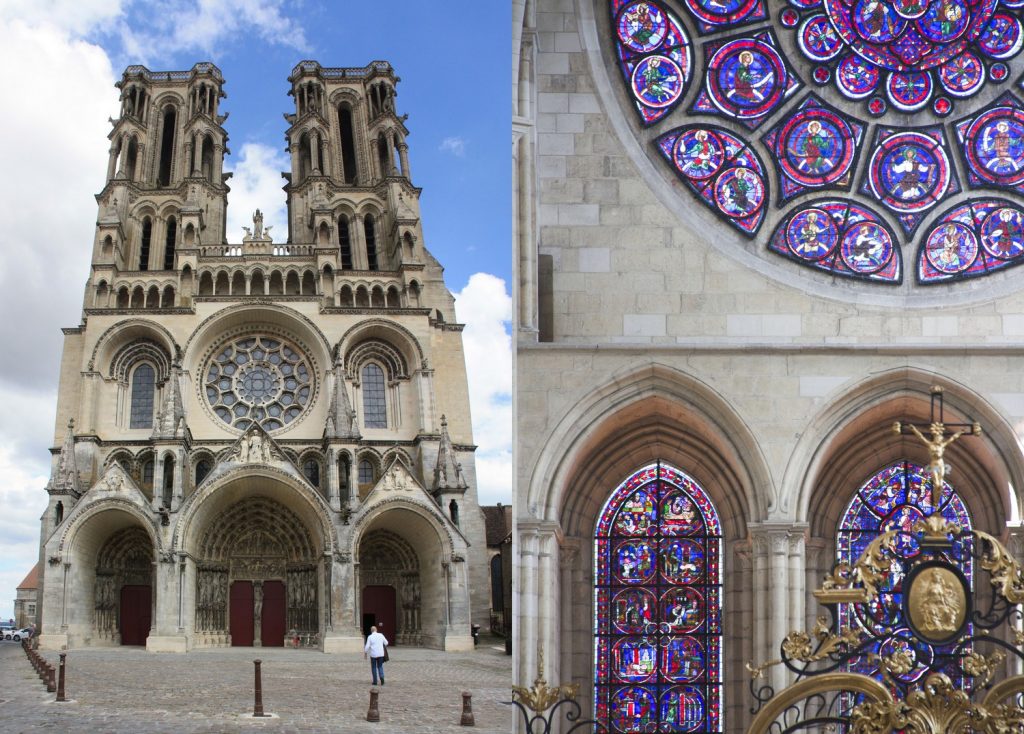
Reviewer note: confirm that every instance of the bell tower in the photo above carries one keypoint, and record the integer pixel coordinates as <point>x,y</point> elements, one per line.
<point>350,186</point>
<point>165,192</point>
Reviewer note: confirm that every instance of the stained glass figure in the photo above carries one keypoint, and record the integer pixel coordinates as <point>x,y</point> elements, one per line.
<point>840,237</point>
<point>721,169</point>
<point>746,79</point>
<point>971,240</point>
<point>714,15</point>
<point>992,143</point>
<point>895,498</point>
<point>814,148</point>
<point>654,56</point>
<point>909,171</point>
<point>914,46</point>
<point>658,601</point>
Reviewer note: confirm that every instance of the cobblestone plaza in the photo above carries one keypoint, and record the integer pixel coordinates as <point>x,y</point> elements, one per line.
<point>130,690</point>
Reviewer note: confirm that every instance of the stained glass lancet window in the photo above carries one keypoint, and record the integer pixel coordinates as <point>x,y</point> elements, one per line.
<point>657,606</point>
<point>799,88</point>
<point>896,497</point>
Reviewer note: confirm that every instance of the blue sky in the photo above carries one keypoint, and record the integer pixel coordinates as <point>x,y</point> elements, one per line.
<point>58,64</point>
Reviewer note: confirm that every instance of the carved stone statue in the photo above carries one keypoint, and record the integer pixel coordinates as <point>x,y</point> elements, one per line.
<point>257,604</point>
<point>257,224</point>
<point>255,447</point>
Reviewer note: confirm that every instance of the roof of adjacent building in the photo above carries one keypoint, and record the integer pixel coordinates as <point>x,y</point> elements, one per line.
<point>32,580</point>
<point>497,522</point>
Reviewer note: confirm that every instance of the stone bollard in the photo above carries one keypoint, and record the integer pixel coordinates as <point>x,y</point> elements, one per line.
<point>374,713</point>
<point>467,709</point>
<point>60,677</point>
<point>257,707</point>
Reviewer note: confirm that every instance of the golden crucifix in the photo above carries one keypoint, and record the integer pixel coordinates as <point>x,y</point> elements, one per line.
<point>938,442</point>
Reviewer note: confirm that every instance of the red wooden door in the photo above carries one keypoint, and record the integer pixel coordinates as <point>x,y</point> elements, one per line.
<point>272,621</point>
<point>136,614</point>
<point>379,601</point>
<point>242,625</point>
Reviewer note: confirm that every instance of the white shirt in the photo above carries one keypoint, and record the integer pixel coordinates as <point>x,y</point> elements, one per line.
<point>375,645</point>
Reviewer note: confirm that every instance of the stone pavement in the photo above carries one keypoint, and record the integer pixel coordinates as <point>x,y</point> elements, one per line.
<point>130,690</point>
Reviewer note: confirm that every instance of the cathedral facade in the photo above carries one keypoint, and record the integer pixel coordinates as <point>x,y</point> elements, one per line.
<point>750,238</point>
<point>265,441</point>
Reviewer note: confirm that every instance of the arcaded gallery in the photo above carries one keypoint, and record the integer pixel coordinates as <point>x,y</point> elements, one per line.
<point>263,435</point>
<point>770,370</point>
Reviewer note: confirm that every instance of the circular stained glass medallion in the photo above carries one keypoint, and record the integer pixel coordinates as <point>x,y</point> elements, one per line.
<point>951,248</point>
<point>866,247</point>
<point>812,234</point>
<point>746,78</point>
<point>908,172</point>
<point>658,81</point>
<point>642,26</point>
<point>995,146</point>
<point>1002,233</point>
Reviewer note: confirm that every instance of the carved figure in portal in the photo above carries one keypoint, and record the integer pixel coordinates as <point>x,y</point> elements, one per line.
<point>257,601</point>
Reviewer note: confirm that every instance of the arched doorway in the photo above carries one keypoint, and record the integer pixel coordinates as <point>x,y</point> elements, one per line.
<point>390,578</point>
<point>124,587</point>
<point>256,579</point>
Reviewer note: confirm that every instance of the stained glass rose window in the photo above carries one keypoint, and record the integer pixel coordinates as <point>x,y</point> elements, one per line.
<point>258,379</point>
<point>799,164</point>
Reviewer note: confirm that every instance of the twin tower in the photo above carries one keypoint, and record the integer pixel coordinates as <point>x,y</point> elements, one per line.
<point>166,191</point>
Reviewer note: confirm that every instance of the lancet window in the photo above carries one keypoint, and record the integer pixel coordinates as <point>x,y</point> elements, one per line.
<point>374,399</point>
<point>896,498</point>
<point>143,390</point>
<point>657,606</point>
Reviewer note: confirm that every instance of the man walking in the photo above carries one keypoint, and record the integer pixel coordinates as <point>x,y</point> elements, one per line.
<point>375,644</point>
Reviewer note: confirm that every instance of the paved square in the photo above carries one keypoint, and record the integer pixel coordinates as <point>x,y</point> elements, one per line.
<point>130,690</point>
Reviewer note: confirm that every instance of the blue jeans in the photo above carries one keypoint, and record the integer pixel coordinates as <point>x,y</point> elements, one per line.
<point>377,669</point>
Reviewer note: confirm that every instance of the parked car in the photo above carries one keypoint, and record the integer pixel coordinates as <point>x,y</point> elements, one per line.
<point>5,629</point>
<point>18,635</point>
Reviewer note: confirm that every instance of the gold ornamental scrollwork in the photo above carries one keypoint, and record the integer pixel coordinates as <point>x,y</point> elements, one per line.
<point>1001,566</point>
<point>801,647</point>
<point>861,581</point>
<point>540,697</point>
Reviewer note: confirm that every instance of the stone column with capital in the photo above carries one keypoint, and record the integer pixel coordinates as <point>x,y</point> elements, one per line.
<point>344,634</point>
<point>772,593</point>
<point>164,635</point>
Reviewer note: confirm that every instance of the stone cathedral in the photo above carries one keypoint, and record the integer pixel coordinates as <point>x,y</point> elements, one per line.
<point>264,441</point>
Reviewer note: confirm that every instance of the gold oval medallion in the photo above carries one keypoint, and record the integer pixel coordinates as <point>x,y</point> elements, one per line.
<point>937,603</point>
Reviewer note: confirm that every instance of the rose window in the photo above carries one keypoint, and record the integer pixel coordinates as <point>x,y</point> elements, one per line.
<point>258,379</point>
<point>825,129</point>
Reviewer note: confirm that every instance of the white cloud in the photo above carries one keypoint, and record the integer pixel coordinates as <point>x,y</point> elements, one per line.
<point>206,27</point>
<point>454,145</point>
<point>257,185</point>
<point>54,151</point>
<point>485,307</point>
<point>154,30</point>
<point>77,17</point>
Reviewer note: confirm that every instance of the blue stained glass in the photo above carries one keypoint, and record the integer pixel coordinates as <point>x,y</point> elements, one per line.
<point>657,606</point>
<point>896,497</point>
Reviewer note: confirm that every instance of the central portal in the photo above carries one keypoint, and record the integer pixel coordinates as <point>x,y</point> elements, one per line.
<point>257,608</point>
<point>257,577</point>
